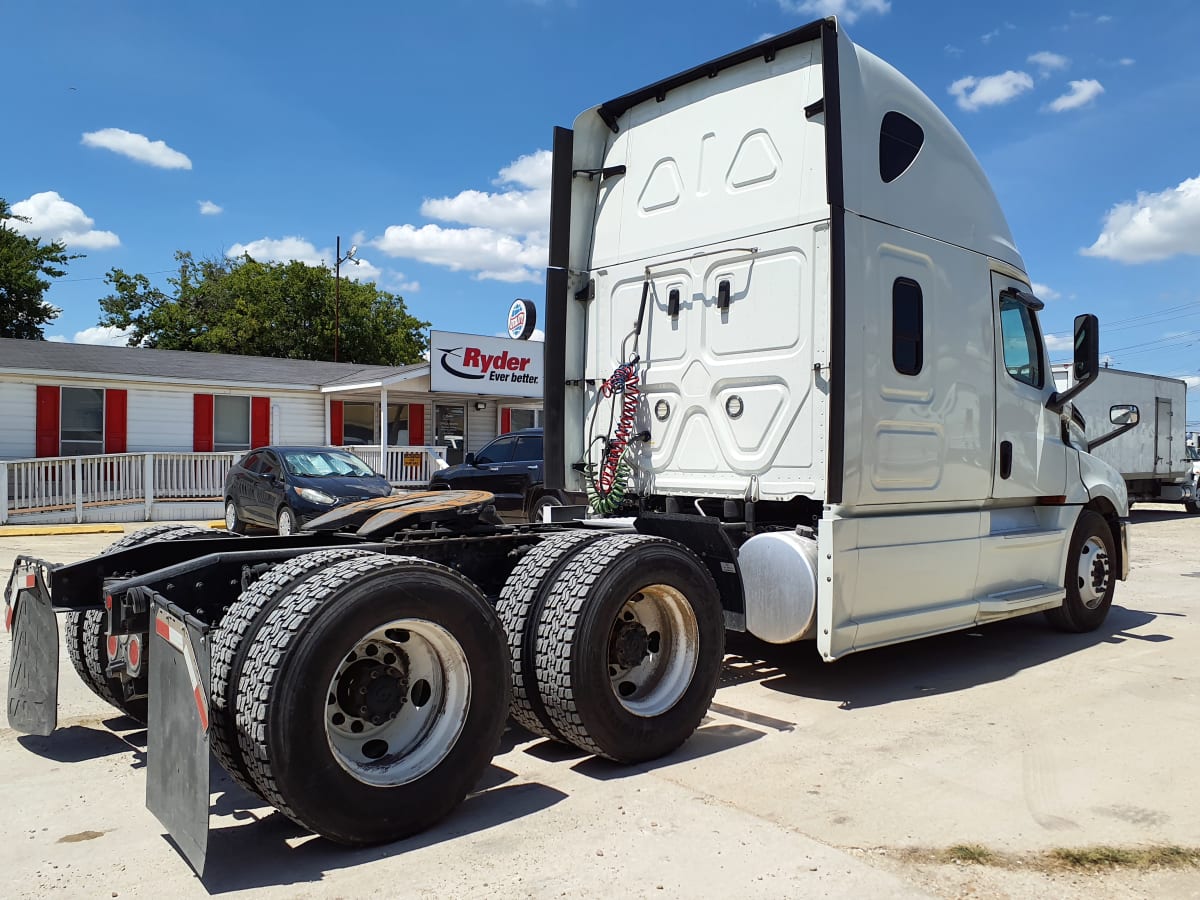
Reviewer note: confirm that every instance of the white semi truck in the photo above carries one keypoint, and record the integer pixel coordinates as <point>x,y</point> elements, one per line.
<point>1151,454</point>
<point>795,378</point>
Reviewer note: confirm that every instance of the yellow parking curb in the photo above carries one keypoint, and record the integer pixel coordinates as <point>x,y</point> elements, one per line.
<point>37,530</point>
<point>220,524</point>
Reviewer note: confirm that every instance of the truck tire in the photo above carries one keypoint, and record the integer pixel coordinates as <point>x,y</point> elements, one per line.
<point>542,503</point>
<point>74,640</point>
<point>156,533</point>
<point>232,643</point>
<point>1090,577</point>
<point>86,639</point>
<point>520,609</point>
<point>373,698</point>
<point>629,647</point>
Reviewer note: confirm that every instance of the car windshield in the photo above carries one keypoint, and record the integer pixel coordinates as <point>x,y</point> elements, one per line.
<point>316,463</point>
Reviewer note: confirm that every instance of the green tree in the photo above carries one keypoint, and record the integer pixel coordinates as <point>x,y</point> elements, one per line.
<point>25,265</point>
<point>283,310</point>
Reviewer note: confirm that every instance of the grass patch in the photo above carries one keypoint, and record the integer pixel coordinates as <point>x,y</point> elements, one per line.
<point>1093,859</point>
<point>976,854</point>
<point>1108,857</point>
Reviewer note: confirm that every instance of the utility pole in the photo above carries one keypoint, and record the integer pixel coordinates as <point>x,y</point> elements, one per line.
<point>337,289</point>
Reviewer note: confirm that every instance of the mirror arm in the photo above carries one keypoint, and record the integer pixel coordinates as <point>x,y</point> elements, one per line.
<point>1112,435</point>
<point>1060,399</point>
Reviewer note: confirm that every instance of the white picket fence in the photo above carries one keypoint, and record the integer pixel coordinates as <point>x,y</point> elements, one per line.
<point>77,488</point>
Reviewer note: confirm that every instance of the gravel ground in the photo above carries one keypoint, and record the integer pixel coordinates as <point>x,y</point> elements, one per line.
<point>806,779</point>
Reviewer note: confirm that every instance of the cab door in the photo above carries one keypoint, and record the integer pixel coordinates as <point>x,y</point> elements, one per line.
<point>1030,459</point>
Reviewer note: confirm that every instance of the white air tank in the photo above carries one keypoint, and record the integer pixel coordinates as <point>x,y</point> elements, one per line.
<point>779,581</point>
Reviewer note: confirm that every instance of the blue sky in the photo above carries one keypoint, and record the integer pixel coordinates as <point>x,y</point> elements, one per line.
<point>420,132</point>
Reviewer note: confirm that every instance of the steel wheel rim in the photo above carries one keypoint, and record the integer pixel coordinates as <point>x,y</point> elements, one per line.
<point>653,650</point>
<point>285,522</point>
<point>1094,572</point>
<point>414,714</point>
<point>230,515</point>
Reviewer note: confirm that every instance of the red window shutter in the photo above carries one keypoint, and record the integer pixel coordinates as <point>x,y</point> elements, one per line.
<point>336,423</point>
<point>260,421</point>
<point>202,423</point>
<point>116,417</point>
<point>416,424</point>
<point>46,430</point>
<point>505,420</point>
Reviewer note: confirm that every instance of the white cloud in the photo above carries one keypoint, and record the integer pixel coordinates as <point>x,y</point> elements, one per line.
<point>505,238</point>
<point>1056,342</point>
<point>102,334</point>
<point>1152,227</point>
<point>974,93</point>
<point>97,334</point>
<point>1193,381</point>
<point>54,219</point>
<point>1126,61</point>
<point>1081,93</point>
<point>398,281</point>
<point>1048,62</point>
<point>208,208</point>
<point>846,10</point>
<point>489,253</point>
<point>287,249</point>
<point>137,147</point>
<point>996,32</point>
<point>1045,292</point>
<point>951,50</point>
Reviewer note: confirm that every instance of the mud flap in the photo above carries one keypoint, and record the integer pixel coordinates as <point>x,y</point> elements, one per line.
<point>33,669</point>
<point>177,752</point>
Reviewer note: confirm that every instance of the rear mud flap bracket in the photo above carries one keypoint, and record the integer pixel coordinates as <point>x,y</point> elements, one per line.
<point>177,752</point>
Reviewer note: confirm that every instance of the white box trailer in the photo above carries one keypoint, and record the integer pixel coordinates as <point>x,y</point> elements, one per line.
<point>787,326</point>
<point>1152,456</point>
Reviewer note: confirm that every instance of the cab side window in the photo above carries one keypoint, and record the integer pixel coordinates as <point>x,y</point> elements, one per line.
<point>497,451</point>
<point>529,448</point>
<point>1022,343</point>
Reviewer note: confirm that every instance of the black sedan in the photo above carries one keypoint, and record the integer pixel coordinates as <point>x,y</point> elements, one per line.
<point>284,487</point>
<point>511,468</point>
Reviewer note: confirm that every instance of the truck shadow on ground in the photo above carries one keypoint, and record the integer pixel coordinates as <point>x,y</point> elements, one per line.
<point>267,849</point>
<point>1139,515</point>
<point>935,665</point>
<point>79,742</point>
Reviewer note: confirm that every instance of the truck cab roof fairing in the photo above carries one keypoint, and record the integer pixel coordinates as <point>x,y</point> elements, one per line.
<point>944,194</point>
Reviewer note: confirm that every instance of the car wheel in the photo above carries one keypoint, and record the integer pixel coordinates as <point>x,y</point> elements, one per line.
<point>543,502</point>
<point>233,521</point>
<point>286,521</point>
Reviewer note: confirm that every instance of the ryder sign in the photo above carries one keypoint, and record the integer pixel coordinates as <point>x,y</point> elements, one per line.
<point>474,364</point>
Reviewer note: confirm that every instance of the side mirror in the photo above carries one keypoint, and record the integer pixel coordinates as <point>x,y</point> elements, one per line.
<point>1086,365</point>
<point>1124,415</point>
<point>469,459</point>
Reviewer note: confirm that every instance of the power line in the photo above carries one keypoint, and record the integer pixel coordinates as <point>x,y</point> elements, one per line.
<point>102,277</point>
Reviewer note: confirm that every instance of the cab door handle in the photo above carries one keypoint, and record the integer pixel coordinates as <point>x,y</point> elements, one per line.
<point>1005,459</point>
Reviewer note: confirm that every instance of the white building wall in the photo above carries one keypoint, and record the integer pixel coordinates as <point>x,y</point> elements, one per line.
<point>18,413</point>
<point>297,419</point>
<point>159,419</point>
<point>482,425</point>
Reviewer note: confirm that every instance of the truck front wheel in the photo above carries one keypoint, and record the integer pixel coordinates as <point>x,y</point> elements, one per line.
<point>1091,576</point>
<point>373,698</point>
<point>629,647</point>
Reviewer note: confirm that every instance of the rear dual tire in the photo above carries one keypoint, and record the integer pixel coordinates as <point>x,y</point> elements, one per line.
<point>628,646</point>
<point>373,697</point>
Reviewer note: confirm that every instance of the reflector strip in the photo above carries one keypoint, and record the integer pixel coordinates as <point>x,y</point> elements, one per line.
<point>30,582</point>
<point>8,617</point>
<point>172,631</point>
